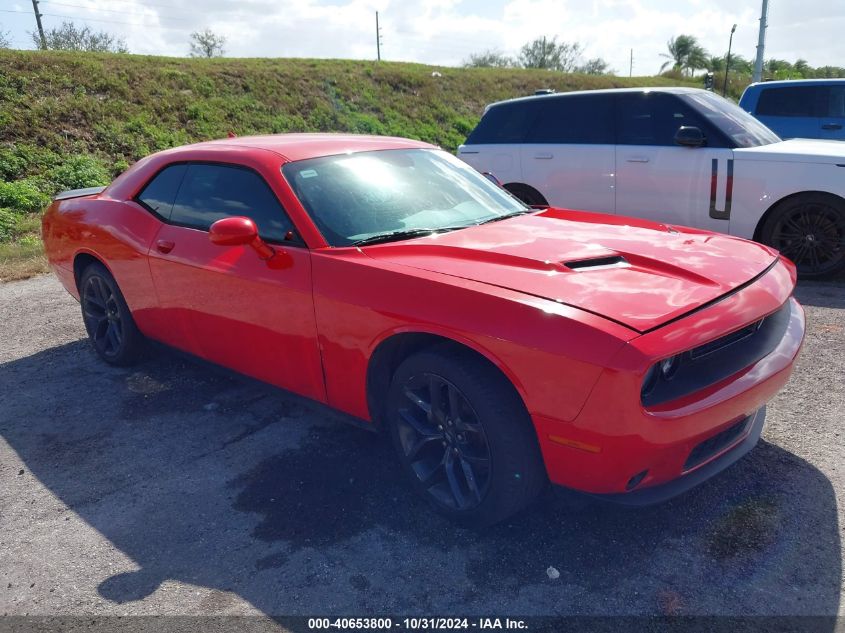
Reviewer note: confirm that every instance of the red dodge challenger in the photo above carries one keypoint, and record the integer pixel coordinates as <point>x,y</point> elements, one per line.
<point>502,346</point>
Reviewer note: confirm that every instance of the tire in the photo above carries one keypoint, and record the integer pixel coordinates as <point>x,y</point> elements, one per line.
<point>464,437</point>
<point>108,321</point>
<point>528,195</point>
<point>809,229</point>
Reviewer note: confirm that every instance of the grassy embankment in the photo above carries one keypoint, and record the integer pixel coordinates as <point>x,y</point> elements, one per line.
<point>70,120</point>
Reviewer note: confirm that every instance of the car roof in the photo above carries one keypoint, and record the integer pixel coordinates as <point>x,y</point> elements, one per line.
<point>558,95</point>
<point>796,82</point>
<point>293,147</point>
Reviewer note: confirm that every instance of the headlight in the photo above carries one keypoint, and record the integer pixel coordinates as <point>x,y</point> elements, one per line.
<point>650,380</point>
<point>669,367</point>
<point>661,370</point>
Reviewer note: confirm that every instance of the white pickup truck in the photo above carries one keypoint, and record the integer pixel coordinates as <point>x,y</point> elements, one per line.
<point>674,155</point>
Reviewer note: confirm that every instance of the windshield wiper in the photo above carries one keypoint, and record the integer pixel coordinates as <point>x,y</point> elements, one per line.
<point>506,216</point>
<point>403,234</point>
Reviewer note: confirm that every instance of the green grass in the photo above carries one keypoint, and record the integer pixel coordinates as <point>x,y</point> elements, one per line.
<point>72,120</point>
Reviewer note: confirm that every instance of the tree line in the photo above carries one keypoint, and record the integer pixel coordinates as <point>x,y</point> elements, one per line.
<point>543,52</point>
<point>685,56</point>
<point>70,37</point>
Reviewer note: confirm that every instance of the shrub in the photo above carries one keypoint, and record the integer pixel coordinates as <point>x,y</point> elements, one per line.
<point>22,196</point>
<point>7,224</point>
<point>77,172</point>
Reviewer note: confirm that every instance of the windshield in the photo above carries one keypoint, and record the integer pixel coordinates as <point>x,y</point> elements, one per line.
<point>736,123</point>
<point>353,197</point>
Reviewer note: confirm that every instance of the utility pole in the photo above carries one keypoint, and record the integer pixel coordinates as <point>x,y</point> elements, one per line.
<point>761,43</point>
<point>631,65</point>
<point>728,62</point>
<point>378,38</point>
<point>40,28</point>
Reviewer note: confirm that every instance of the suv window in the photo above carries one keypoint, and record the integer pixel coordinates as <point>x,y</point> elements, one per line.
<point>210,192</point>
<point>160,192</point>
<point>506,123</point>
<point>836,102</point>
<point>584,119</point>
<point>653,118</point>
<point>790,101</point>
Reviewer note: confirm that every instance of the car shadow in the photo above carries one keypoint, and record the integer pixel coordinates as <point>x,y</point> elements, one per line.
<point>822,294</point>
<point>216,481</point>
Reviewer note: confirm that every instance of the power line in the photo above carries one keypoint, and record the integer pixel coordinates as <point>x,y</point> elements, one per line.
<point>79,17</point>
<point>79,6</point>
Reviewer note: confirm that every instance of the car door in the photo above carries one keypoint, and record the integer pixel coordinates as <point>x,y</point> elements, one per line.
<point>569,154</point>
<point>792,111</point>
<point>230,306</point>
<point>833,113</point>
<point>659,180</point>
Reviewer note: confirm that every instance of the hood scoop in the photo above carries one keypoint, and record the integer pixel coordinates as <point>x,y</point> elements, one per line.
<point>598,263</point>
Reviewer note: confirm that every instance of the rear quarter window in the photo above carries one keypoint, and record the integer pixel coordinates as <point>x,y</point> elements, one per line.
<point>506,123</point>
<point>160,192</point>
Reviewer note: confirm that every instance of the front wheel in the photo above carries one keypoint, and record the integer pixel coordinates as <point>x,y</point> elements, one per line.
<point>809,229</point>
<point>108,321</point>
<point>464,437</point>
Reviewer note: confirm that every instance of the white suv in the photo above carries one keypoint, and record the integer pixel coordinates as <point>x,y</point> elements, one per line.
<point>674,155</point>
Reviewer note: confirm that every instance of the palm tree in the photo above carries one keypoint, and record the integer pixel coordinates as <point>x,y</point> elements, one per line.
<point>685,54</point>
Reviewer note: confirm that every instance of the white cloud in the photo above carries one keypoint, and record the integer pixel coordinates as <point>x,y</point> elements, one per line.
<point>447,31</point>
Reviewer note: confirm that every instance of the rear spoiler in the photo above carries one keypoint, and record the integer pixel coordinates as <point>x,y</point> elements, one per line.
<point>78,193</point>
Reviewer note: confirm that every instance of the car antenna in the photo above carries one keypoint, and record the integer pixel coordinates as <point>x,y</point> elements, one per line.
<point>231,134</point>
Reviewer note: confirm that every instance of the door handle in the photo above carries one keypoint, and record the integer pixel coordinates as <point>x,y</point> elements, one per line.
<point>637,159</point>
<point>831,126</point>
<point>165,246</point>
<point>543,155</point>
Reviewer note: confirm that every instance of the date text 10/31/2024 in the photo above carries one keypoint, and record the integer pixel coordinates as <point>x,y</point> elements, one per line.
<point>418,623</point>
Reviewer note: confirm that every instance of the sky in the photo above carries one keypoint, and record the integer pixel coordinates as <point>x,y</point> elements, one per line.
<point>446,32</point>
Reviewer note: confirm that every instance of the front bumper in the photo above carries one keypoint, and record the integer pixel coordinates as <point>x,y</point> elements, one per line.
<point>615,439</point>
<point>664,492</point>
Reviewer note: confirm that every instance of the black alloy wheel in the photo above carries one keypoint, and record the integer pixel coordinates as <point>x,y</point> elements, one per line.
<point>464,436</point>
<point>107,318</point>
<point>444,442</point>
<point>809,230</point>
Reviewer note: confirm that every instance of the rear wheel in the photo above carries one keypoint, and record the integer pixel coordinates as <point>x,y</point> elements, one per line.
<point>108,321</point>
<point>464,437</point>
<point>809,229</point>
<point>529,195</point>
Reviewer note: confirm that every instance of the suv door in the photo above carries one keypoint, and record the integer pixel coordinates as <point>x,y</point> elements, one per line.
<point>792,111</point>
<point>569,155</point>
<point>234,309</point>
<point>833,114</point>
<point>657,179</point>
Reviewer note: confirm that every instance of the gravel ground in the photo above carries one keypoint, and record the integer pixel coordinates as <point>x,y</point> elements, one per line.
<point>172,488</point>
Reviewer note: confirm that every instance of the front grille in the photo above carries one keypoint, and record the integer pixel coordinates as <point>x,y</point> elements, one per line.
<point>712,362</point>
<point>716,444</point>
<point>721,343</point>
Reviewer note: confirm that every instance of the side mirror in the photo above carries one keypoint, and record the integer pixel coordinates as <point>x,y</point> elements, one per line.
<point>239,231</point>
<point>489,176</point>
<point>690,136</point>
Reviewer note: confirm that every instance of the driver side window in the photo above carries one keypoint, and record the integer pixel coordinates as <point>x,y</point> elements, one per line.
<point>653,118</point>
<point>210,192</point>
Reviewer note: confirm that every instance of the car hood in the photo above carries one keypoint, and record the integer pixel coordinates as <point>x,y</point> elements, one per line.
<point>637,273</point>
<point>796,150</point>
